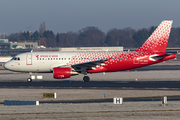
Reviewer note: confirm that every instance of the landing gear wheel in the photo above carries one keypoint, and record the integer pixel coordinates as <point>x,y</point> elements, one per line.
<point>29,80</point>
<point>86,78</point>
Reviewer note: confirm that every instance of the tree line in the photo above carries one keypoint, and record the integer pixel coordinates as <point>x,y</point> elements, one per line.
<point>93,37</point>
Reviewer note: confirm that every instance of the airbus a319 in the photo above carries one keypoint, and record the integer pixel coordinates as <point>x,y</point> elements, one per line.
<point>66,64</point>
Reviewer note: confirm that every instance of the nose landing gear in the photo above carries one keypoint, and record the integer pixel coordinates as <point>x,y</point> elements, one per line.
<point>29,78</point>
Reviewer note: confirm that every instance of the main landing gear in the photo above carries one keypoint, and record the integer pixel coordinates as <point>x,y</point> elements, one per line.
<point>86,78</point>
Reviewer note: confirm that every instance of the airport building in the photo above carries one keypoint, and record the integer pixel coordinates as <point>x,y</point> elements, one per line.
<point>92,49</point>
<point>80,49</point>
<point>13,48</point>
<point>23,45</point>
<point>4,41</point>
<point>4,47</point>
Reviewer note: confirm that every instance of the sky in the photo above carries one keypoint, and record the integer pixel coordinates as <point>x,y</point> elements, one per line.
<point>62,16</point>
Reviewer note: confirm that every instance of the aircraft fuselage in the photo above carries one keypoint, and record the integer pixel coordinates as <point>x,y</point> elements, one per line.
<point>115,61</point>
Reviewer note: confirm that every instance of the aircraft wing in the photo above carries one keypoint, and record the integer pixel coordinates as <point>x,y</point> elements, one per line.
<point>87,65</point>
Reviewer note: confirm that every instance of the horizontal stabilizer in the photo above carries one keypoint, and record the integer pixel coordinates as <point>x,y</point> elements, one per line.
<point>159,57</point>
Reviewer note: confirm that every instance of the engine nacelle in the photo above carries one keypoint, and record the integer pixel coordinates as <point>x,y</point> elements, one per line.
<point>61,73</point>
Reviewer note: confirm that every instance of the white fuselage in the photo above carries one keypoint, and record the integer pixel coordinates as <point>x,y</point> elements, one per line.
<point>38,61</point>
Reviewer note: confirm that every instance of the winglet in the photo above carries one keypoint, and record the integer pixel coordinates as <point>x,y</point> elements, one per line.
<point>158,40</point>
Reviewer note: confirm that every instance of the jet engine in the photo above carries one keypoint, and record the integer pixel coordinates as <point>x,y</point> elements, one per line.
<point>61,73</point>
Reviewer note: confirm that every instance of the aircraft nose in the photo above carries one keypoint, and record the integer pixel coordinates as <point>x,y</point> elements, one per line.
<point>6,66</point>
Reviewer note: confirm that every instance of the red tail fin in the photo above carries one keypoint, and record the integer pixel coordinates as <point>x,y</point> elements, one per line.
<point>158,40</point>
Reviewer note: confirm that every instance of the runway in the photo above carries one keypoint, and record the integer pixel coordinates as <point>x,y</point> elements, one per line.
<point>158,67</point>
<point>94,84</point>
<point>143,94</point>
<point>105,100</point>
<point>119,82</point>
<point>109,83</point>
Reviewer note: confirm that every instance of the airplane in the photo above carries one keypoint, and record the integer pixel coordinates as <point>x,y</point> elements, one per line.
<point>66,64</point>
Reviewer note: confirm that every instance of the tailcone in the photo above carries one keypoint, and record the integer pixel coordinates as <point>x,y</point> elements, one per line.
<point>171,56</point>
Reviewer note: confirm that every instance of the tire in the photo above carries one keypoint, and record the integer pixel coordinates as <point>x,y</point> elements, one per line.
<point>86,78</point>
<point>29,80</point>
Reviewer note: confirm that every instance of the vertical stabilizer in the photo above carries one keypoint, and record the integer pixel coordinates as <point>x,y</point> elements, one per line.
<point>158,40</point>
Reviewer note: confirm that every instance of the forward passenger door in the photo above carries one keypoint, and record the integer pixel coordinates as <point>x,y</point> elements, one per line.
<point>29,59</point>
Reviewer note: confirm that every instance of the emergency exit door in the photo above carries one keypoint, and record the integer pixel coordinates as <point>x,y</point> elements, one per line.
<point>29,59</point>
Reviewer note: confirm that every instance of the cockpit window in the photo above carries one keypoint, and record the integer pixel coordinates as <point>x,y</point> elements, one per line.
<point>15,58</point>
